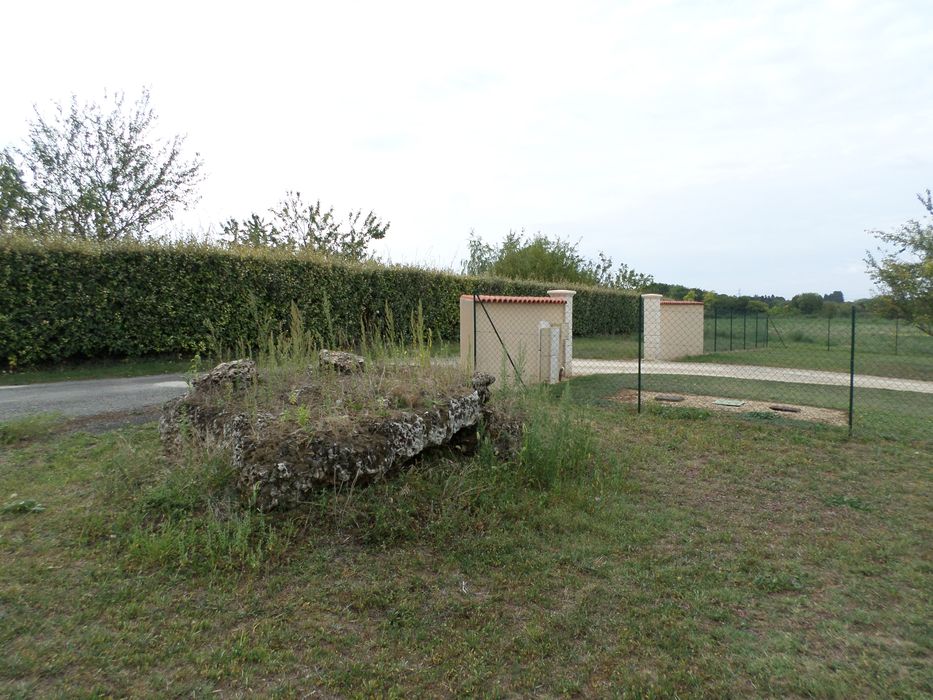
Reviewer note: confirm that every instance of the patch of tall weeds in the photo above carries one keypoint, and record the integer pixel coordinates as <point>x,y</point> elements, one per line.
<point>183,516</point>
<point>446,499</point>
<point>28,427</point>
<point>187,515</point>
<point>559,442</point>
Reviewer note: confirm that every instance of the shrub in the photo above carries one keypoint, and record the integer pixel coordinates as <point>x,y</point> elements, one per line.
<point>65,299</point>
<point>808,303</point>
<point>799,336</point>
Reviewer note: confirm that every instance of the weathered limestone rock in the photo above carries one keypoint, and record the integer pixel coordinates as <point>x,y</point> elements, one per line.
<point>278,466</point>
<point>187,417</point>
<point>481,383</point>
<point>283,470</point>
<point>237,374</point>
<point>192,415</point>
<point>505,432</point>
<point>344,362</point>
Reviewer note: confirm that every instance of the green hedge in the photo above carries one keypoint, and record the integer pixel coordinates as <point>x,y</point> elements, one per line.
<point>61,300</point>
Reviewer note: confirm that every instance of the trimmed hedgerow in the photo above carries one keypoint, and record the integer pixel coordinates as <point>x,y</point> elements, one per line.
<point>66,299</point>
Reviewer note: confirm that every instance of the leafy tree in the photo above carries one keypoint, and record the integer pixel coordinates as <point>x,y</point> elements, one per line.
<point>537,257</point>
<point>554,260</point>
<point>882,304</point>
<point>836,296</point>
<point>834,309</point>
<point>295,225</point>
<point>622,277</point>
<point>98,172</point>
<point>807,303</point>
<point>17,209</point>
<point>904,271</point>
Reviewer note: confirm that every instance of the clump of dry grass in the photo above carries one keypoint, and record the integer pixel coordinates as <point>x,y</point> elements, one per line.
<point>296,389</point>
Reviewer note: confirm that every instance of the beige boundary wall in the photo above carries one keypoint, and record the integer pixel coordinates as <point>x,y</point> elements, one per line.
<point>536,331</point>
<point>673,329</point>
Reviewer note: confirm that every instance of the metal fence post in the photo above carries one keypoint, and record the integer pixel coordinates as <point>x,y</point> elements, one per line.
<point>715,329</point>
<point>852,373</point>
<point>745,329</point>
<point>829,325</point>
<point>897,323</point>
<point>475,302</point>
<point>641,342</point>
<point>731,317</point>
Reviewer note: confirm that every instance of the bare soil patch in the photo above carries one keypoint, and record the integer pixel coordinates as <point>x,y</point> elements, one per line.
<point>816,414</point>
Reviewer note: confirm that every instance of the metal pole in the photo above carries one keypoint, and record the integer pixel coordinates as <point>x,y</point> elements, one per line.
<point>475,302</point>
<point>757,315</point>
<point>829,321</point>
<point>852,374</point>
<point>778,331</point>
<point>897,323</point>
<point>745,329</point>
<point>731,316</point>
<point>495,330</point>
<point>715,329</point>
<point>641,340</point>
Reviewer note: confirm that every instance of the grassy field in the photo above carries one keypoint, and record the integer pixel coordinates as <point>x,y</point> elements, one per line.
<point>836,359</point>
<point>606,347</point>
<point>883,347</point>
<point>878,413</point>
<point>672,554</point>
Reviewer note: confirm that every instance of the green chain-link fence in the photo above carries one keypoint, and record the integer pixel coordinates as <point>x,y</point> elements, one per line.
<point>858,371</point>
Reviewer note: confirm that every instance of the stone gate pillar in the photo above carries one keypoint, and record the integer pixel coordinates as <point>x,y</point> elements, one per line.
<point>567,295</point>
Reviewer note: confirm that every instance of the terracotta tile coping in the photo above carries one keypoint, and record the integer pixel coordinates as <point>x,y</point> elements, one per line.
<point>496,299</point>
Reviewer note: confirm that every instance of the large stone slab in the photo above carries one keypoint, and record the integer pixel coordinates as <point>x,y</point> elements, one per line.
<point>284,470</point>
<point>278,466</point>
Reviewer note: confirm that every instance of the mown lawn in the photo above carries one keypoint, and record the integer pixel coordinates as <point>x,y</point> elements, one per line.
<point>883,347</point>
<point>795,341</point>
<point>877,413</point>
<point>606,347</point>
<point>684,555</point>
<point>836,359</point>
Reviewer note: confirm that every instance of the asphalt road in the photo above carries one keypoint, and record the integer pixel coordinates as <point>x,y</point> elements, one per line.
<point>90,397</point>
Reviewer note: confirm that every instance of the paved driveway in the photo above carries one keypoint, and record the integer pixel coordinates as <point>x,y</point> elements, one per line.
<point>766,374</point>
<point>90,397</point>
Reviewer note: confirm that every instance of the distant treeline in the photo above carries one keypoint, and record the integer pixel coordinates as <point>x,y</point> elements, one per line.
<point>831,303</point>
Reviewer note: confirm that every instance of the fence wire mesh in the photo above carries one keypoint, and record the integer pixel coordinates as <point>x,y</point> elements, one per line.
<point>857,371</point>
<point>518,340</point>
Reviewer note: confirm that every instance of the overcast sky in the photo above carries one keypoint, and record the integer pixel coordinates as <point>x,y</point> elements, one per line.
<point>739,146</point>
